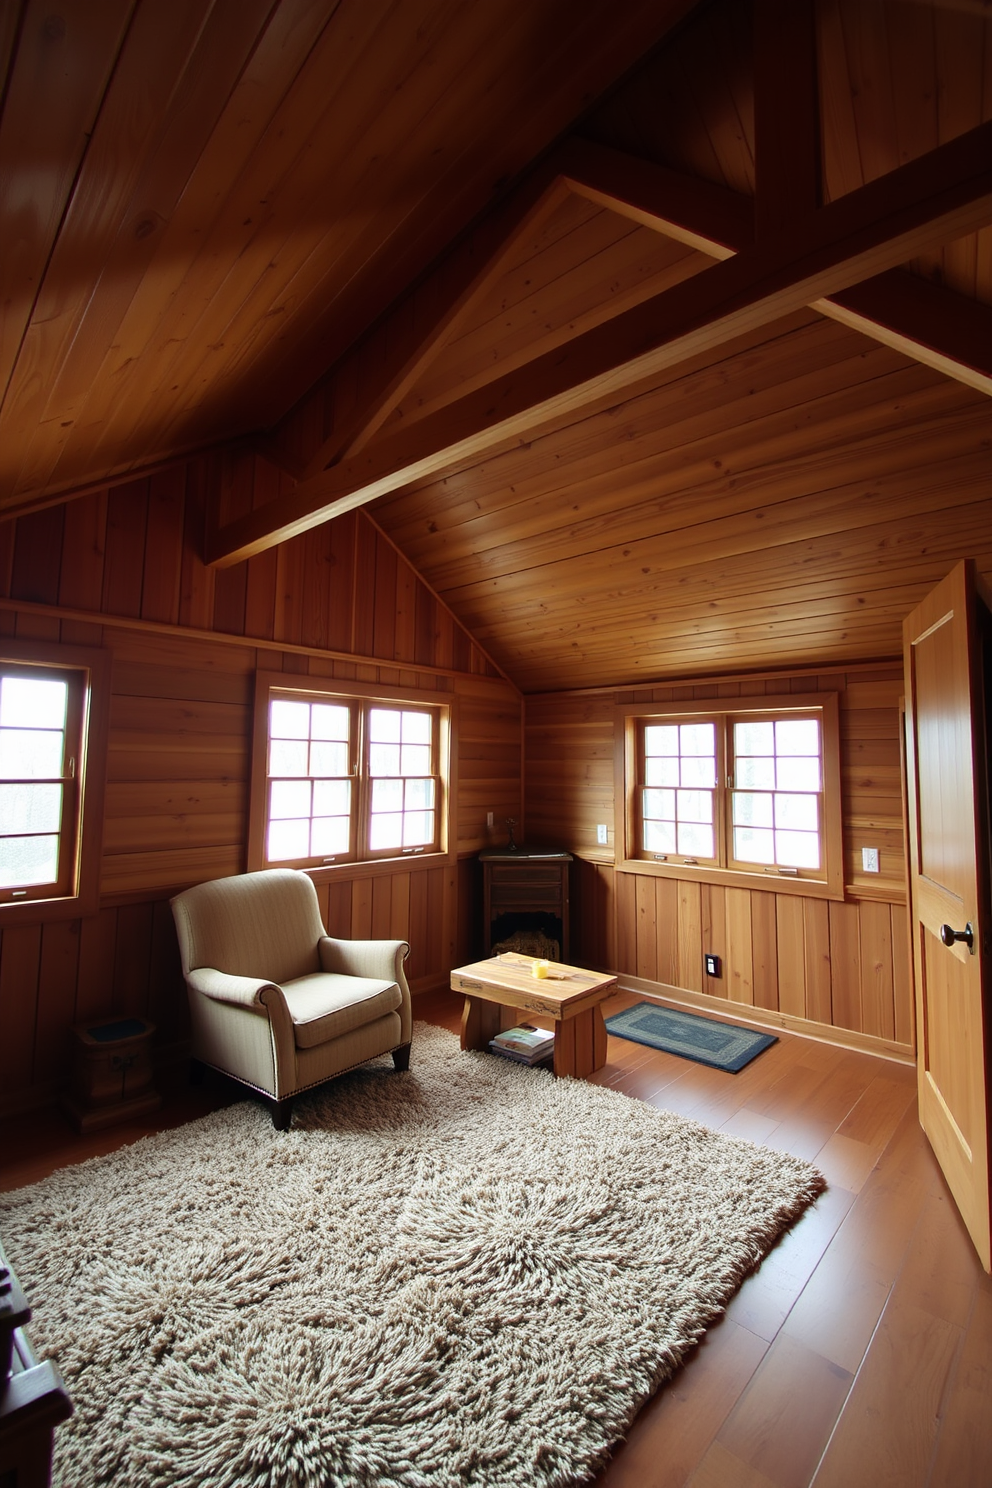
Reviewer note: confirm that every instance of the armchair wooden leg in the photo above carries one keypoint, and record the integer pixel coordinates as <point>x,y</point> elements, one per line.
<point>401,1057</point>
<point>282,1113</point>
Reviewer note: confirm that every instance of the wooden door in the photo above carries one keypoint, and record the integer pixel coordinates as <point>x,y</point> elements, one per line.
<point>948,858</point>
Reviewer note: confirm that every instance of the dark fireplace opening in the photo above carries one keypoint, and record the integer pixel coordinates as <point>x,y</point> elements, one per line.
<point>528,932</point>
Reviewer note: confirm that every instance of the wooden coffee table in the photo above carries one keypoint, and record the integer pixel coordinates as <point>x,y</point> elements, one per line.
<point>571,996</point>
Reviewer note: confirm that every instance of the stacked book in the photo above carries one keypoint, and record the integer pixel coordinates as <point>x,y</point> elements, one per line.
<point>525,1045</point>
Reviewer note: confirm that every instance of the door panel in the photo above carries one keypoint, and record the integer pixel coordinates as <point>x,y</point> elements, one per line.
<point>948,850</point>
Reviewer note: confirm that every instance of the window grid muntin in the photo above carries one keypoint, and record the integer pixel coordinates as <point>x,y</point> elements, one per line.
<point>305,754</point>
<point>402,740</point>
<point>789,747</point>
<point>680,769</point>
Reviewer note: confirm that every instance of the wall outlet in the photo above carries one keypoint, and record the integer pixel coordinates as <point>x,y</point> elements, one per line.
<point>711,965</point>
<point>602,836</point>
<point>869,859</point>
<point>489,818</point>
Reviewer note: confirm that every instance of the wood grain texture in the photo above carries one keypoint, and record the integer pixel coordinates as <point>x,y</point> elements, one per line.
<point>831,963</point>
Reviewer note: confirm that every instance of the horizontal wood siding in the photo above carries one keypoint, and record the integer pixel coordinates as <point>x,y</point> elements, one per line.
<point>841,964</point>
<point>179,752</point>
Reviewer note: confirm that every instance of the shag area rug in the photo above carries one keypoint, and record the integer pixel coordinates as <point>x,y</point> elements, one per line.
<point>469,1274</point>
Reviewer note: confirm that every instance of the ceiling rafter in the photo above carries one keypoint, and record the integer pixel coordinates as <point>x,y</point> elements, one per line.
<point>928,201</point>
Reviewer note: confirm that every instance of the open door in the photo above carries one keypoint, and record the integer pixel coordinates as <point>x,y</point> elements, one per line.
<point>946,773</point>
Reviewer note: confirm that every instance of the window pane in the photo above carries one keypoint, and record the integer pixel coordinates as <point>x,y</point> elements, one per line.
<point>659,837</point>
<point>289,798</point>
<point>28,860</point>
<point>328,758</point>
<point>695,806</point>
<point>661,771</point>
<point>697,738</point>
<point>384,759</point>
<point>797,849</point>
<point>754,773</point>
<point>287,840</point>
<point>30,808</point>
<point>387,795</point>
<point>33,754</point>
<point>420,795</point>
<point>754,738</point>
<point>699,770</point>
<point>418,828</point>
<point>329,835</point>
<point>386,831</point>
<point>286,757</point>
<point>416,728</point>
<point>331,797</point>
<point>797,736</point>
<point>796,812</point>
<point>28,703</point>
<point>289,720</point>
<point>752,810</point>
<point>415,759</point>
<point>695,841</point>
<point>798,773</point>
<point>661,739</point>
<point>384,725</point>
<point>754,845</point>
<point>659,804</point>
<point>330,721</point>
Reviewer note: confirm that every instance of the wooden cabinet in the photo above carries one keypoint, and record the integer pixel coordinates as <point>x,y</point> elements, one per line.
<point>526,901</point>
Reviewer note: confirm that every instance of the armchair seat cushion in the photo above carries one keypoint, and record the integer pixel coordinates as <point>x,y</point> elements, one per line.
<point>324,1005</point>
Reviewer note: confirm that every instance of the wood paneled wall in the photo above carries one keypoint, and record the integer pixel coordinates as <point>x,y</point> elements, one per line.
<point>840,965</point>
<point>122,569</point>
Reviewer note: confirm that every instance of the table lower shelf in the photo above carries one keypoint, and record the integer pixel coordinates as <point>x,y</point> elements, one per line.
<point>580,1040</point>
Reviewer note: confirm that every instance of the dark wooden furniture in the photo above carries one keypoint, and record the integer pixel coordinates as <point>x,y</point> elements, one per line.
<point>526,890</point>
<point>33,1399</point>
<point>111,1074</point>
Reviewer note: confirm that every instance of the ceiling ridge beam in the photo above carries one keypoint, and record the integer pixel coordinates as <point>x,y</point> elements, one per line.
<point>928,201</point>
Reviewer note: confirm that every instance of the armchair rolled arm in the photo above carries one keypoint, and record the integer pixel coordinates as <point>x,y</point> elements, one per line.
<point>223,987</point>
<point>382,959</point>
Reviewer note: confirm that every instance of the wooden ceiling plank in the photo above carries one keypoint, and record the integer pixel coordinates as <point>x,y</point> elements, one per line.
<point>131,176</point>
<point>58,75</point>
<point>946,331</point>
<point>786,114</point>
<point>942,195</point>
<point>533,206</point>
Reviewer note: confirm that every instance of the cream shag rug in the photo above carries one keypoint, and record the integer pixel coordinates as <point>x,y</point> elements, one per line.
<point>471,1274</point>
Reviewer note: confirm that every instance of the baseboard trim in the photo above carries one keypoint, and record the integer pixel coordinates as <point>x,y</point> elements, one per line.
<point>722,1007</point>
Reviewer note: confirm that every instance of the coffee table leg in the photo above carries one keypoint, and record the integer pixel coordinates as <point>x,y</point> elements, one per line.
<point>481,1021</point>
<point>580,1043</point>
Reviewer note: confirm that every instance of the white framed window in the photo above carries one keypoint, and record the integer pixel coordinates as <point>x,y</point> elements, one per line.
<point>345,778</point>
<point>54,704</point>
<point>730,793</point>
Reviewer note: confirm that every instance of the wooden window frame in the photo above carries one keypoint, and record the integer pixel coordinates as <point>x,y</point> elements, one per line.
<point>87,671</point>
<point>825,883</point>
<point>360,861</point>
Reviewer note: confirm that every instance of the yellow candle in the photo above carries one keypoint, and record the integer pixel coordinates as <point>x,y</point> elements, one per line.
<point>539,969</point>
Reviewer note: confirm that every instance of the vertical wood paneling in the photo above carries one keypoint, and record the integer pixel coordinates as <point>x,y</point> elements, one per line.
<point>828,962</point>
<point>179,749</point>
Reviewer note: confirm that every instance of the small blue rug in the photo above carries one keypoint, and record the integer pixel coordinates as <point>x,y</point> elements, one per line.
<point>724,1046</point>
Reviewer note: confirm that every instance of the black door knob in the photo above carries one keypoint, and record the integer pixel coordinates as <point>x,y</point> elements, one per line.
<point>949,936</point>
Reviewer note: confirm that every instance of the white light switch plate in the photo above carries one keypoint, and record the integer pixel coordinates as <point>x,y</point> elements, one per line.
<point>869,859</point>
<point>601,834</point>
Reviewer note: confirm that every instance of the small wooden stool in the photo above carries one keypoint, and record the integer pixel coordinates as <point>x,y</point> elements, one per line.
<point>112,1073</point>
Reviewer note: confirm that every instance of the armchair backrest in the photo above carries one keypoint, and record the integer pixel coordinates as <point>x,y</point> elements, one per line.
<point>263,925</point>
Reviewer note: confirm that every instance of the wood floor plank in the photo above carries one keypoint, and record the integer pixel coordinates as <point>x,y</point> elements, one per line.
<point>963,1453</point>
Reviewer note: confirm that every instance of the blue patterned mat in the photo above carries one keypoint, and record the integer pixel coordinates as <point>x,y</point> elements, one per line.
<point>724,1046</point>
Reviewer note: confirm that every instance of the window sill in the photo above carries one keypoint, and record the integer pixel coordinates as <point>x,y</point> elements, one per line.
<point>34,911</point>
<point>375,867</point>
<point>769,883</point>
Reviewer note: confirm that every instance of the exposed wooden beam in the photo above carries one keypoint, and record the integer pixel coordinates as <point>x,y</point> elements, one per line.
<point>710,218</point>
<point>926,202</point>
<point>786,114</point>
<point>530,206</point>
<point>944,330</point>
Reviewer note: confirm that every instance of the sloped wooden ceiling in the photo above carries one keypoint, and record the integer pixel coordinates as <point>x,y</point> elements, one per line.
<point>203,202</point>
<point>705,390</point>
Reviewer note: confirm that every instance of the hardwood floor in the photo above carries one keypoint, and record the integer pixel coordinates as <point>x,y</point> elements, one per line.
<point>860,1352</point>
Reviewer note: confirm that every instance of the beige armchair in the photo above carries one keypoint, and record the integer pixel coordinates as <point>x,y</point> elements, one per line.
<point>274,1000</point>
